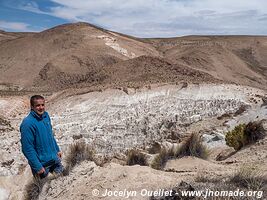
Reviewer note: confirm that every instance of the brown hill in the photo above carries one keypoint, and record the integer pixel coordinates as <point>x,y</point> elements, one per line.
<point>5,36</point>
<point>82,55</point>
<point>68,53</point>
<point>238,59</point>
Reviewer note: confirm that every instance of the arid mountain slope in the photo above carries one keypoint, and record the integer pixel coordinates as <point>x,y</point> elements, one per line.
<point>5,36</point>
<point>238,59</point>
<point>83,55</point>
<point>69,53</point>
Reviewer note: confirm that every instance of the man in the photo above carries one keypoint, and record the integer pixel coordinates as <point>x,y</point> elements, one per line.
<point>38,143</point>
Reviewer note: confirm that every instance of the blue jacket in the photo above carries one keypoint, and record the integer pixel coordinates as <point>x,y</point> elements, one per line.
<point>38,143</point>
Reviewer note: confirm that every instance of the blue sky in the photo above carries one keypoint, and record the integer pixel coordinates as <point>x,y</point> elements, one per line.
<point>141,18</point>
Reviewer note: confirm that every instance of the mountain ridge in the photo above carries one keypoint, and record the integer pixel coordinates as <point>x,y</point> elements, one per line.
<point>74,55</point>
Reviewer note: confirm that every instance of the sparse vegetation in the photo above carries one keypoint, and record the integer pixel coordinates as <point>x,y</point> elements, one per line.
<point>223,116</point>
<point>5,125</point>
<point>78,152</point>
<point>254,131</point>
<point>176,193</point>
<point>244,134</point>
<point>160,159</point>
<point>34,188</point>
<point>77,137</point>
<point>250,178</point>
<point>264,101</point>
<point>203,177</point>
<point>241,110</point>
<point>219,184</point>
<point>192,146</point>
<point>235,138</point>
<point>155,148</point>
<point>135,157</point>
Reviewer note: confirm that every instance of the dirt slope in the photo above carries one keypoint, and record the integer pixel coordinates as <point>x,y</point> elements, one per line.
<point>83,55</point>
<point>239,59</point>
<point>5,36</point>
<point>69,53</point>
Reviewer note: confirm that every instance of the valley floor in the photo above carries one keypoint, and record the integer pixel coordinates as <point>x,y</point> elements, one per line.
<point>117,120</point>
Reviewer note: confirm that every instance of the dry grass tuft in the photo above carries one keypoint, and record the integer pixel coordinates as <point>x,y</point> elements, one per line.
<point>34,188</point>
<point>192,146</point>
<point>254,131</point>
<point>250,178</point>
<point>223,116</point>
<point>155,148</point>
<point>135,157</point>
<point>78,152</point>
<point>203,177</point>
<point>161,159</point>
<point>241,110</point>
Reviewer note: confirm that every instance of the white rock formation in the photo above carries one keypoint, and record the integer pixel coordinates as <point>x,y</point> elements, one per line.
<point>3,194</point>
<point>112,42</point>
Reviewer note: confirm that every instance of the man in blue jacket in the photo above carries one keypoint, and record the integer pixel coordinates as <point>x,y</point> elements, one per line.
<point>38,143</point>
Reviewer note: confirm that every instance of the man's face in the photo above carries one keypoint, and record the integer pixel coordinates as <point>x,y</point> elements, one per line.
<point>39,106</point>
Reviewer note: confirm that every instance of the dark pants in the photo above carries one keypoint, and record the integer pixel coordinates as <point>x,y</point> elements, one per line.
<point>53,166</point>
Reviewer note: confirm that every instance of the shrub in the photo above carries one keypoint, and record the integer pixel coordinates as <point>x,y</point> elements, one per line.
<point>245,134</point>
<point>78,152</point>
<point>236,137</point>
<point>249,177</point>
<point>192,146</point>
<point>135,157</point>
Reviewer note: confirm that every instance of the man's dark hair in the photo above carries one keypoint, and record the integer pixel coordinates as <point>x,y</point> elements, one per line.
<point>35,97</point>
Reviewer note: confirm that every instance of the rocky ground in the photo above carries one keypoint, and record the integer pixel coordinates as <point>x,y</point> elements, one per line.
<point>113,121</point>
<point>117,93</point>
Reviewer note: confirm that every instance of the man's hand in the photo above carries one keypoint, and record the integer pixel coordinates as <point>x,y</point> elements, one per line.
<point>41,171</point>
<point>59,154</point>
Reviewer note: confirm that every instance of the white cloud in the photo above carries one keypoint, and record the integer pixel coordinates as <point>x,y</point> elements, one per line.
<point>31,6</point>
<point>14,26</point>
<point>161,18</point>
